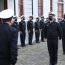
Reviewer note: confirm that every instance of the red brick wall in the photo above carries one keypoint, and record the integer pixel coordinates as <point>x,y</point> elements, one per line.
<point>60,9</point>
<point>40,7</point>
<point>51,5</point>
<point>21,7</point>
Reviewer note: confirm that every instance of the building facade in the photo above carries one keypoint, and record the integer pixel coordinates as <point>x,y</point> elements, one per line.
<point>34,7</point>
<point>10,4</point>
<point>43,7</point>
<point>60,5</point>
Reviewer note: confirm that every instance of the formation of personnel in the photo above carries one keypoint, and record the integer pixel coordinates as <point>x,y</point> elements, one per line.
<point>49,29</point>
<point>38,26</point>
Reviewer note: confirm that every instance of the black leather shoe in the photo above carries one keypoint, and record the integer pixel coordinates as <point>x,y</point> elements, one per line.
<point>63,53</point>
<point>55,64</point>
<point>23,45</point>
<point>50,64</point>
<point>31,44</point>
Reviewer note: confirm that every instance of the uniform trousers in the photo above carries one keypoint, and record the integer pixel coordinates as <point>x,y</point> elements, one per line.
<point>42,35</point>
<point>63,44</point>
<point>53,50</point>
<point>37,34</point>
<point>22,37</point>
<point>30,37</point>
<point>4,62</point>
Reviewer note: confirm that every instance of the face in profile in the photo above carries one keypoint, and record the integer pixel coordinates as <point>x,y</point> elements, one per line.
<point>12,21</point>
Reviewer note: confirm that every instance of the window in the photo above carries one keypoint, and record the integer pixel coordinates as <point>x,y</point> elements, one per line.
<point>5,4</point>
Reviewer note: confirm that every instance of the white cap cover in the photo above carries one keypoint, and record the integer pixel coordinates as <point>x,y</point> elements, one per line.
<point>5,14</point>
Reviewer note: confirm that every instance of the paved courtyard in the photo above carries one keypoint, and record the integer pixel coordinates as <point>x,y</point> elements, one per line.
<point>37,54</point>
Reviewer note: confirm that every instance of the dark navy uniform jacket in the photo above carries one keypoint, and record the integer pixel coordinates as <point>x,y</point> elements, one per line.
<point>22,26</point>
<point>8,44</point>
<point>15,25</point>
<point>37,25</point>
<point>42,25</point>
<point>62,23</point>
<point>30,25</point>
<point>53,30</point>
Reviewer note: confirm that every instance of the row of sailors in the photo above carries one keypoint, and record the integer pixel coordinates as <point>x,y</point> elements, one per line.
<point>49,29</point>
<point>38,26</point>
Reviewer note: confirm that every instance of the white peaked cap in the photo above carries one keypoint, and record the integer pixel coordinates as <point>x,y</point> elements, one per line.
<point>7,13</point>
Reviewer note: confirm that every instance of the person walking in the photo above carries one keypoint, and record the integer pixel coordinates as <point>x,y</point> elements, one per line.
<point>52,31</point>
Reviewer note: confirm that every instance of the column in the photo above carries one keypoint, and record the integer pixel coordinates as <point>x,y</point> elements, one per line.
<point>60,4</point>
<point>21,7</point>
<point>40,7</point>
<point>51,5</point>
